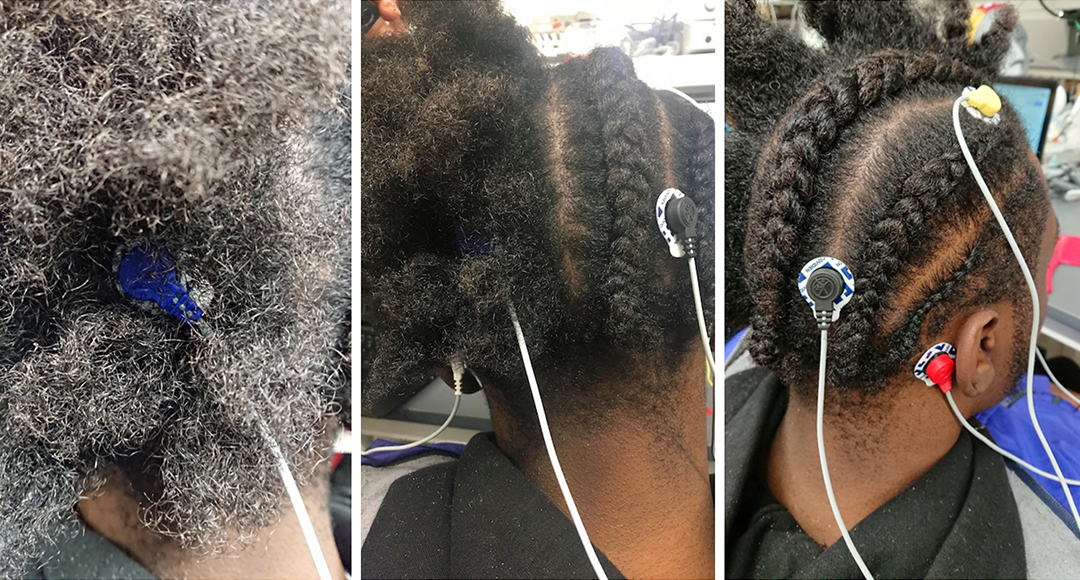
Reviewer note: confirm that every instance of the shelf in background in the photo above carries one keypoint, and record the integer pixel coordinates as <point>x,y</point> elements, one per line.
<point>693,74</point>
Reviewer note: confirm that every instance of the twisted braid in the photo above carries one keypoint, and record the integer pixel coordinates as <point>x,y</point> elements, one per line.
<point>741,150</point>
<point>852,29</point>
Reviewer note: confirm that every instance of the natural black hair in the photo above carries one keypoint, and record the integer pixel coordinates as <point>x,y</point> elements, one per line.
<point>489,177</point>
<point>852,153</point>
<point>192,126</point>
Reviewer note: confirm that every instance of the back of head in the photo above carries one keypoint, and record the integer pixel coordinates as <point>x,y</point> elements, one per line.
<point>184,127</point>
<point>856,157</point>
<point>490,178</point>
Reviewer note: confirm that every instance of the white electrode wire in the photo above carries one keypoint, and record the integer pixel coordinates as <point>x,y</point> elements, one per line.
<point>681,94</point>
<point>1050,374</point>
<point>710,359</point>
<point>453,411</point>
<point>702,329</point>
<point>1034,300</point>
<point>994,446</point>
<point>546,432</point>
<point>297,503</point>
<point>825,465</point>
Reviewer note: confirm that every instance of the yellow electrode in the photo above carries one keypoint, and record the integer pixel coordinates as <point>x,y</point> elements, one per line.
<point>985,100</point>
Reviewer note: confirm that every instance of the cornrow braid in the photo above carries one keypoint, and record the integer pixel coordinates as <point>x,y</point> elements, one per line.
<point>702,169</point>
<point>909,335</point>
<point>865,167</point>
<point>809,132</point>
<point>768,68</point>
<point>889,243</point>
<point>625,133</point>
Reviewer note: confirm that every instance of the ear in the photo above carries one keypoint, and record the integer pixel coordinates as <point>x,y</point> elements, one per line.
<point>469,384</point>
<point>977,343</point>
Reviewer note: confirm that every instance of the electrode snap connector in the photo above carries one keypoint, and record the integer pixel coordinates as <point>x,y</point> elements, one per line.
<point>827,285</point>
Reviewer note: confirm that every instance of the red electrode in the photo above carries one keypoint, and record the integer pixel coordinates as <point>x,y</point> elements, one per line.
<point>940,371</point>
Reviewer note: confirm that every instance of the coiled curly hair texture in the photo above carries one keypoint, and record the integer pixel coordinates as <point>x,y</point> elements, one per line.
<point>549,175</point>
<point>213,130</point>
<point>850,151</point>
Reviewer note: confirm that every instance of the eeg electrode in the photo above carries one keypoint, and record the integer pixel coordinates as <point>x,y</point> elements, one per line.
<point>827,285</point>
<point>924,370</point>
<point>676,216</point>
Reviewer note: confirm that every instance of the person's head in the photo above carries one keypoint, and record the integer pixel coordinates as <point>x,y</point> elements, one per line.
<point>852,154</point>
<point>491,178</point>
<point>186,127</point>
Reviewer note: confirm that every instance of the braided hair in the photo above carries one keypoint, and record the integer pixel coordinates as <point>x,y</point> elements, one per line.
<point>490,178</point>
<point>857,159</point>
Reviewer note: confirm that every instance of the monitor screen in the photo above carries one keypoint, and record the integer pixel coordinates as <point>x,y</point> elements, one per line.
<point>1033,105</point>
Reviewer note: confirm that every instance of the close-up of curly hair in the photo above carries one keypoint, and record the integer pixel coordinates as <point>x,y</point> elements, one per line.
<point>217,132</point>
<point>490,178</point>
<point>848,150</point>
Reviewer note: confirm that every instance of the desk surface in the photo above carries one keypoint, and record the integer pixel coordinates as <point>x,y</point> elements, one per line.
<point>1063,313</point>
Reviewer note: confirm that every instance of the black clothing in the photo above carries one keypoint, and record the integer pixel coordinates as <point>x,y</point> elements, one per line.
<point>477,517</point>
<point>958,520</point>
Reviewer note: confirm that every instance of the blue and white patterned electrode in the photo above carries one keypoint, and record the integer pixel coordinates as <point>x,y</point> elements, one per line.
<point>930,354</point>
<point>835,264</point>
<point>674,246</point>
<point>150,274</point>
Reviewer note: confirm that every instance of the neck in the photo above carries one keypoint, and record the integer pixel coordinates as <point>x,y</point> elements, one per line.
<point>874,451</point>
<point>640,480</point>
<point>277,551</point>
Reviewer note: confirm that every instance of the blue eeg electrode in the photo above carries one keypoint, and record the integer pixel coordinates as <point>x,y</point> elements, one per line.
<point>150,274</point>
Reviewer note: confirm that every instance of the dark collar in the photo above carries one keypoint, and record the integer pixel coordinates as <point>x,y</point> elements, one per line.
<point>958,520</point>
<point>80,552</point>
<point>504,527</point>
<point>478,517</point>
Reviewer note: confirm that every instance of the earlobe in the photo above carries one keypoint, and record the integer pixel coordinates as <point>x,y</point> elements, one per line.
<point>977,343</point>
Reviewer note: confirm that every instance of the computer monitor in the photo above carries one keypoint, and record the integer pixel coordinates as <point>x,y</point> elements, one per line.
<point>1033,100</point>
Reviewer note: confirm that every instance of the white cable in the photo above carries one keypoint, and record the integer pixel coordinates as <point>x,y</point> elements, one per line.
<point>995,447</point>
<point>457,367</point>
<point>1034,301</point>
<point>825,466</point>
<point>546,432</point>
<point>702,329</point>
<point>681,94</point>
<point>434,434</point>
<point>297,503</point>
<point>1050,374</point>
